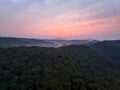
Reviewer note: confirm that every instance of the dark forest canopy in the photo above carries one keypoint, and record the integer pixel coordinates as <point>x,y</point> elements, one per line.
<point>75,67</point>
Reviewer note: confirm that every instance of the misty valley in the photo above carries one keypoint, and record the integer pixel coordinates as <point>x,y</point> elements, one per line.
<point>92,65</point>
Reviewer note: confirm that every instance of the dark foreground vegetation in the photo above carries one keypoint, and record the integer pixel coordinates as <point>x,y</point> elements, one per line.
<point>65,68</point>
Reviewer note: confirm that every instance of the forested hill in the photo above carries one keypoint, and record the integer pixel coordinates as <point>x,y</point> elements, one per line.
<point>74,67</point>
<point>111,49</point>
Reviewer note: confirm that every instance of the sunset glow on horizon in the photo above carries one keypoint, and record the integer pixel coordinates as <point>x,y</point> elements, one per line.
<point>67,19</point>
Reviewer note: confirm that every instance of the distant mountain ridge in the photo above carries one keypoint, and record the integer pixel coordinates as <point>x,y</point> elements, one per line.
<point>11,42</point>
<point>15,42</point>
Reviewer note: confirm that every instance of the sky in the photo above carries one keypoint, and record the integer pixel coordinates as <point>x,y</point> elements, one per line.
<point>66,19</point>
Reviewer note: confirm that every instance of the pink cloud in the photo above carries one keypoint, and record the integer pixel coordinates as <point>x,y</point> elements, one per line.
<point>76,23</point>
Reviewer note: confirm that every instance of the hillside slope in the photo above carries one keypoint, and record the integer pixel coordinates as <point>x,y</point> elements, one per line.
<point>110,49</point>
<point>64,68</point>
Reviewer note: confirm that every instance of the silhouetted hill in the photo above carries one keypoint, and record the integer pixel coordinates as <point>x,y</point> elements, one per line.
<point>74,67</point>
<point>111,49</point>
